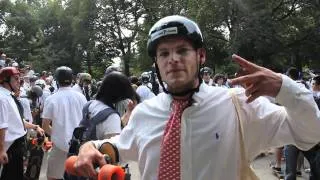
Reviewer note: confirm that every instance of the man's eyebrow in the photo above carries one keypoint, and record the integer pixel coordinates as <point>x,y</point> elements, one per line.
<point>178,47</point>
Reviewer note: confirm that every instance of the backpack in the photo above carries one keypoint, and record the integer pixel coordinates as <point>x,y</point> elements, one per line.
<point>86,131</point>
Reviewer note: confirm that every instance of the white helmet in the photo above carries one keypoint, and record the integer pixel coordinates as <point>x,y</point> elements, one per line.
<point>40,82</point>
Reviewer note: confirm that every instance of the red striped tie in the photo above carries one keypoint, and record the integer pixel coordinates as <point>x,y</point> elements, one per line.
<point>169,167</point>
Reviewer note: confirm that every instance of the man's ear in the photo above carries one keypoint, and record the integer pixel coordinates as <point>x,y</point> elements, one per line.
<point>202,55</point>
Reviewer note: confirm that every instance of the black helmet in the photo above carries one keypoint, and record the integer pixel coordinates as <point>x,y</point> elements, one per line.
<point>63,75</point>
<point>145,77</point>
<point>36,91</point>
<point>173,26</point>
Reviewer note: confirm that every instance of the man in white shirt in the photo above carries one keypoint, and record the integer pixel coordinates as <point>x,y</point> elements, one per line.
<point>145,89</point>
<point>211,140</point>
<point>316,86</point>
<point>64,110</point>
<point>12,125</point>
<point>84,85</point>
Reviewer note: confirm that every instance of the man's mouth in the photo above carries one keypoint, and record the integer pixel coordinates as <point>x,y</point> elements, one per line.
<point>174,71</point>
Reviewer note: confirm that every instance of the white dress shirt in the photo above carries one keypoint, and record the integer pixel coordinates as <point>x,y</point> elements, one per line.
<point>210,138</point>
<point>10,118</point>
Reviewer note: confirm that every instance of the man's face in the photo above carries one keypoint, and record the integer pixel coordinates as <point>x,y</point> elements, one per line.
<point>15,83</point>
<point>315,87</point>
<point>206,77</point>
<point>179,63</point>
<point>86,83</point>
<point>220,81</point>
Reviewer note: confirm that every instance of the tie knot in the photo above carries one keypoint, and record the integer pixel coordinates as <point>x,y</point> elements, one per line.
<point>178,104</point>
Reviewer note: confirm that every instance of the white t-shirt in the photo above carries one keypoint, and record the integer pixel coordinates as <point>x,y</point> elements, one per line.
<point>26,109</point>
<point>10,118</point>
<point>210,136</point>
<point>111,125</point>
<point>77,88</point>
<point>144,92</point>
<point>64,109</point>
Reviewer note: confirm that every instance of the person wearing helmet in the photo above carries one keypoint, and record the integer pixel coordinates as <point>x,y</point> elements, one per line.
<point>64,110</point>
<point>84,85</point>
<point>12,125</point>
<point>145,89</point>
<point>190,129</point>
<point>44,75</point>
<point>219,80</point>
<point>206,73</point>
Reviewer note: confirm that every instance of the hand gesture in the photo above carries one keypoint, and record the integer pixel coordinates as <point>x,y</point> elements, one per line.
<point>3,157</point>
<point>40,130</point>
<point>257,80</point>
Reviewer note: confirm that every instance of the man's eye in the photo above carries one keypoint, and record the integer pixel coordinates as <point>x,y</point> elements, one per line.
<point>164,54</point>
<point>183,51</point>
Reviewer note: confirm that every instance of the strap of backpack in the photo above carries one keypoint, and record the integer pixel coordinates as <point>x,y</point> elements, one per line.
<point>102,116</point>
<point>85,114</point>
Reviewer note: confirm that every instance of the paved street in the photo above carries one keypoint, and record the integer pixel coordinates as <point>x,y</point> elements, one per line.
<point>260,165</point>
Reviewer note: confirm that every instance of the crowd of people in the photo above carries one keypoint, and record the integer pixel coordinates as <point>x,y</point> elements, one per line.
<point>178,121</point>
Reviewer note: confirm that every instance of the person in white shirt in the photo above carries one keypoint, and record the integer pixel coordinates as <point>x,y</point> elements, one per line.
<point>211,140</point>
<point>145,89</point>
<point>206,73</point>
<point>64,110</point>
<point>316,86</point>
<point>84,85</point>
<point>12,125</point>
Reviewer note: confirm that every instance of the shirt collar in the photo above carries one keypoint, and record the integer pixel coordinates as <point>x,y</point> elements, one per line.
<point>5,91</point>
<point>64,88</point>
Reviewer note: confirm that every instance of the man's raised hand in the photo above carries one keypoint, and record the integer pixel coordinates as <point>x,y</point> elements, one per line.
<point>257,80</point>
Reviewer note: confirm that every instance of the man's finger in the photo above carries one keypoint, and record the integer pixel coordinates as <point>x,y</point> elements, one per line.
<point>252,89</point>
<point>253,96</point>
<point>244,80</point>
<point>247,65</point>
<point>5,159</point>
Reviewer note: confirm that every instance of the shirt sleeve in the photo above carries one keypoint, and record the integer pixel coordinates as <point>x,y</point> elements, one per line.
<point>268,125</point>
<point>26,109</point>
<point>111,125</point>
<point>3,115</point>
<point>48,110</point>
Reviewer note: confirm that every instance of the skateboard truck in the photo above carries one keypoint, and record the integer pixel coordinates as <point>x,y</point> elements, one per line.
<point>111,171</point>
<point>42,141</point>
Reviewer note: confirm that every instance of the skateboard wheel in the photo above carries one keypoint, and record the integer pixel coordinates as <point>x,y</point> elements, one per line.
<point>111,172</point>
<point>47,145</point>
<point>69,165</point>
<point>34,141</point>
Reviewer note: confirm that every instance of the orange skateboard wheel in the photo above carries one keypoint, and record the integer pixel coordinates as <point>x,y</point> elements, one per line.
<point>111,172</point>
<point>69,165</point>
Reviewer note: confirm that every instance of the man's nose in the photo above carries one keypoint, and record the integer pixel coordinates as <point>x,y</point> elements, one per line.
<point>175,57</point>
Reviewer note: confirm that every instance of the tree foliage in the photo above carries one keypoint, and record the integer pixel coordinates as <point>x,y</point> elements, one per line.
<point>88,34</point>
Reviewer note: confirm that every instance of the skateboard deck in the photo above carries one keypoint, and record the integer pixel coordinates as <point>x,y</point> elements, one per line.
<point>37,147</point>
<point>34,161</point>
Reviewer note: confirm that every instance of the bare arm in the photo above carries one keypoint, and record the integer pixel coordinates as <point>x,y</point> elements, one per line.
<point>3,154</point>
<point>34,127</point>
<point>46,125</point>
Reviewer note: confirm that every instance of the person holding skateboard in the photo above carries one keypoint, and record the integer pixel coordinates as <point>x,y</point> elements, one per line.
<point>12,125</point>
<point>196,131</point>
